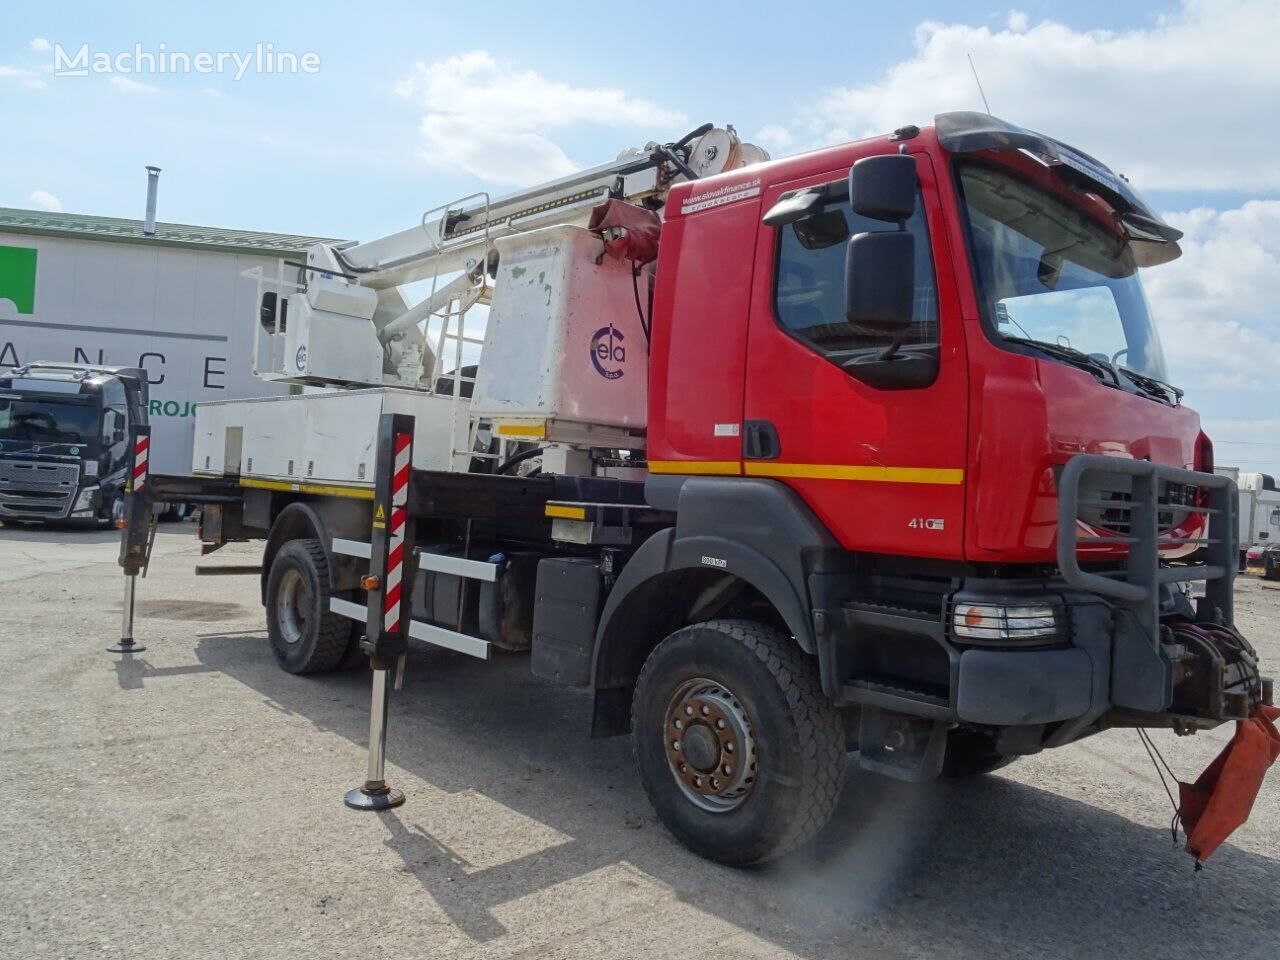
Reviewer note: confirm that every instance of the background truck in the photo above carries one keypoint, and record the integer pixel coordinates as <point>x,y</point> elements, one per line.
<point>64,440</point>
<point>103,292</point>
<point>869,449</point>
<point>1258,508</point>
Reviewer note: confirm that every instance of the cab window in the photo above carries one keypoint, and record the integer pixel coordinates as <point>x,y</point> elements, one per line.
<point>809,284</point>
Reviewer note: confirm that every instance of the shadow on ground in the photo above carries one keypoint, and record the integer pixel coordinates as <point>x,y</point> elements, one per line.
<point>948,869</point>
<point>65,531</point>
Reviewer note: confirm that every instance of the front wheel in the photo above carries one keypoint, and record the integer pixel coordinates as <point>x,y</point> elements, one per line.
<point>739,750</point>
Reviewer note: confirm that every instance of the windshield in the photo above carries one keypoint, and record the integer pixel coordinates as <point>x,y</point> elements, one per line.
<point>1048,273</point>
<point>47,421</point>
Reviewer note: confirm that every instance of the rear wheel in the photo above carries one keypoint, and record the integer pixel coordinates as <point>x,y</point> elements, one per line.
<point>739,750</point>
<point>306,637</point>
<point>176,512</point>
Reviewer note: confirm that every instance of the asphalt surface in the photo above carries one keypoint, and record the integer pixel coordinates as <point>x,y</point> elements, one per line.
<point>186,802</point>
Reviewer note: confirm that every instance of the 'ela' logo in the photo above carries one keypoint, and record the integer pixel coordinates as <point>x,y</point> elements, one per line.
<point>300,359</point>
<point>607,350</point>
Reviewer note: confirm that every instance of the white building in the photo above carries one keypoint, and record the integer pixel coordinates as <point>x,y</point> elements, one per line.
<point>100,290</point>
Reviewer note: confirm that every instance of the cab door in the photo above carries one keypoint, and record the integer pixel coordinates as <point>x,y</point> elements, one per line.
<point>882,466</point>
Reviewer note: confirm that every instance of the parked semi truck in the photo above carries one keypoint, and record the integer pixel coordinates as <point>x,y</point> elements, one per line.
<point>64,440</point>
<point>871,449</point>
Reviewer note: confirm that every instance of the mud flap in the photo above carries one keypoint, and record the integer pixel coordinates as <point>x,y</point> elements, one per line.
<point>901,746</point>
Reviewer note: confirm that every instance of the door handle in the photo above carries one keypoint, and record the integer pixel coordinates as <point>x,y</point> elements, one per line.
<point>760,441</point>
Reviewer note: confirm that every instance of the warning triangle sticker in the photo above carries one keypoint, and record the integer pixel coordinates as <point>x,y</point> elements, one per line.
<point>380,515</point>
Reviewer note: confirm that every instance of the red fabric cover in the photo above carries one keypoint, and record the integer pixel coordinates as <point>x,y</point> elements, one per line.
<point>641,229</point>
<point>1222,796</point>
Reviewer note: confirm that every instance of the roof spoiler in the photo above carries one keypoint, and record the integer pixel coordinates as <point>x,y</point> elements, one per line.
<point>1153,241</point>
<point>136,375</point>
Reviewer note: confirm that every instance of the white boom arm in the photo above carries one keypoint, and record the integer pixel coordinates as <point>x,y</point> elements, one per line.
<point>449,236</point>
<point>338,328</point>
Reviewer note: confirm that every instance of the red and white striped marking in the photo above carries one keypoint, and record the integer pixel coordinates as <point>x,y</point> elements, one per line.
<point>395,533</point>
<point>140,450</point>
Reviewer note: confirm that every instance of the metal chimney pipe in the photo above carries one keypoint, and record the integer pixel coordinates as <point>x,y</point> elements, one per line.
<point>153,184</point>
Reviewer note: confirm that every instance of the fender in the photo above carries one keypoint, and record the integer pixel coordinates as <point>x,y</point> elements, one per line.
<point>756,529</point>
<point>297,521</point>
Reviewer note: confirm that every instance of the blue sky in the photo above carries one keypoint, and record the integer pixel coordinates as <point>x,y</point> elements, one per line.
<point>414,105</point>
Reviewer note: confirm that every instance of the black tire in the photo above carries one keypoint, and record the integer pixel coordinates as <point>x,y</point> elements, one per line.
<point>796,735</point>
<point>971,754</point>
<point>175,513</point>
<point>306,637</point>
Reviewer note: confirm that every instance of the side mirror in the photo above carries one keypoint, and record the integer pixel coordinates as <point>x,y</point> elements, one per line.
<point>884,188</point>
<point>880,282</point>
<point>117,436</point>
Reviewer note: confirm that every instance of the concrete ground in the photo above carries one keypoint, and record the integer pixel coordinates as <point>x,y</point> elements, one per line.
<point>186,802</point>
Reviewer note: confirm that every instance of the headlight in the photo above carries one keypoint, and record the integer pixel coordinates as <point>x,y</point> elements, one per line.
<point>980,621</point>
<point>85,500</point>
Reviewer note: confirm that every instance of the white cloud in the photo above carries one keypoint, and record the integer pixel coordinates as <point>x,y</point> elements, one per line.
<point>129,85</point>
<point>492,152</point>
<point>775,138</point>
<point>44,200</point>
<point>40,45</point>
<point>1184,103</point>
<point>492,119</point>
<point>1216,304</point>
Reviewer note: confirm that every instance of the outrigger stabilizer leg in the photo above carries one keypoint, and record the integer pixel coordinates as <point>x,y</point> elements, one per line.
<point>134,537</point>
<point>391,568</point>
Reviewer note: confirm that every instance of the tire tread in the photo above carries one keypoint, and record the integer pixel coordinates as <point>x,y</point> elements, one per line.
<point>818,733</point>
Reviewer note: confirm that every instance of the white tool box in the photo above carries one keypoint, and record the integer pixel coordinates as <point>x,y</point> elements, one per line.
<point>324,437</point>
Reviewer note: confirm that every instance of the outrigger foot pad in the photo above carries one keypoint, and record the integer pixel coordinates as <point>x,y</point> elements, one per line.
<point>126,647</point>
<point>371,797</point>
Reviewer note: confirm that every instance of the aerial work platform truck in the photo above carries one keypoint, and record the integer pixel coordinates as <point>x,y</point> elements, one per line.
<point>869,452</point>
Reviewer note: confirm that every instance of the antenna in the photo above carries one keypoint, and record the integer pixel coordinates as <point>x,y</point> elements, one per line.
<point>979,83</point>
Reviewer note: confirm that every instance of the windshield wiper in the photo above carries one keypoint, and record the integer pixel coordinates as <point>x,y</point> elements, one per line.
<point>1072,355</point>
<point>1152,385</point>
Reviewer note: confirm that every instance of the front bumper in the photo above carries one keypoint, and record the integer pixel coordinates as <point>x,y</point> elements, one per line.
<point>1129,645</point>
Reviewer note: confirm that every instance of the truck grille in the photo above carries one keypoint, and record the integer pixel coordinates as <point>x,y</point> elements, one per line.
<point>1147,499</point>
<point>33,488</point>
<point>1107,502</point>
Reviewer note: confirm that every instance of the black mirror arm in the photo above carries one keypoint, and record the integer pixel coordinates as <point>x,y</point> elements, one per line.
<point>892,349</point>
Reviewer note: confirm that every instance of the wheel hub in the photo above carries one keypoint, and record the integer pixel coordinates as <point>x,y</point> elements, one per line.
<point>293,607</point>
<point>709,745</point>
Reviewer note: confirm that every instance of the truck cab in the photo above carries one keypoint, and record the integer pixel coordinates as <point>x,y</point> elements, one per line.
<point>64,432</point>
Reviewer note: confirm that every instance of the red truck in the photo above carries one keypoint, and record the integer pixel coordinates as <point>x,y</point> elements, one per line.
<point>919,487</point>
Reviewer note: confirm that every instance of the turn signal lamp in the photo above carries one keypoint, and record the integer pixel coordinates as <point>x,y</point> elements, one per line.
<point>980,621</point>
